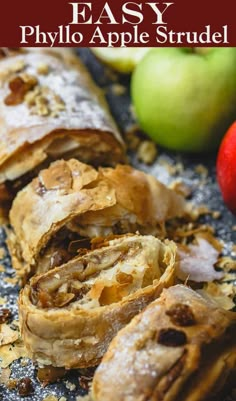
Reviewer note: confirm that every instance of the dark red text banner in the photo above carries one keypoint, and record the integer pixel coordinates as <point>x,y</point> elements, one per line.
<point>100,23</point>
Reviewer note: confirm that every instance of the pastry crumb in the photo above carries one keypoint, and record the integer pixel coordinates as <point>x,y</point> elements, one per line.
<point>227,264</point>
<point>181,188</point>
<point>2,253</point>
<point>220,294</point>
<point>216,214</point>
<point>201,170</point>
<point>24,362</point>
<point>132,138</point>
<point>172,169</point>
<point>2,269</point>
<point>118,89</point>
<point>12,383</point>
<point>5,375</point>
<point>147,152</point>
<point>11,280</point>
<point>50,397</point>
<point>3,300</point>
<point>70,386</point>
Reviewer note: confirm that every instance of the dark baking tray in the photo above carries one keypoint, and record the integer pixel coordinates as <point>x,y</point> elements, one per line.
<point>204,191</point>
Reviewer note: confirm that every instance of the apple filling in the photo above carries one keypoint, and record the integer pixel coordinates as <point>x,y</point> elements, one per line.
<point>103,276</point>
<point>64,247</point>
<point>72,201</point>
<point>74,238</point>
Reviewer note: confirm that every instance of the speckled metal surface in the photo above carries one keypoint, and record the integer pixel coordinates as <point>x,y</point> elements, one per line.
<point>204,191</point>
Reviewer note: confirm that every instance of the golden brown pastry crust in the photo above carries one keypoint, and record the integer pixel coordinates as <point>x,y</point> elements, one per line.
<point>69,315</point>
<point>51,108</point>
<point>181,347</point>
<point>73,196</point>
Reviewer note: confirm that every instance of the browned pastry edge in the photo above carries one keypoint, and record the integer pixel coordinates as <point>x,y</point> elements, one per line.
<point>30,134</point>
<point>181,347</point>
<point>118,201</point>
<point>77,337</point>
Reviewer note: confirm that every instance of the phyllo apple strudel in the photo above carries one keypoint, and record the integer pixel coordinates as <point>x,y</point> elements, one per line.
<point>180,348</point>
<point>69,315</point>
<point>50,108</point>
<point>70,201</point>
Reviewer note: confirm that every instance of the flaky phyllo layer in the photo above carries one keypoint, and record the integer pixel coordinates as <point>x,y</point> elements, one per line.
<point>70,314</point>
<point>50,108</point>
<point>71,201</point>
<point>180,348</point>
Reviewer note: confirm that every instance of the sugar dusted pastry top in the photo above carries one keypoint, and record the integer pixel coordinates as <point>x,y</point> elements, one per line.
<point>45,95</point>
<point>180,347</point>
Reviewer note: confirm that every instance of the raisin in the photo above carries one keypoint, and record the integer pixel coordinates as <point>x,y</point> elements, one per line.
<point>19,86</point>
<point>181,315</point>
<point>5,315</point>
<point>13,99</point>
<point>172,337</point>
<point>16,84</point>
<point>25,387</point>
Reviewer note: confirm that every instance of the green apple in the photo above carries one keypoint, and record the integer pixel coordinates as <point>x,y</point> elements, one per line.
<point>122,59</point>
<point>185,98</point>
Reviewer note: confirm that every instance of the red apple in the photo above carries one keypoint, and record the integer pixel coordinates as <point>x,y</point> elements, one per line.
<point>226,168</point>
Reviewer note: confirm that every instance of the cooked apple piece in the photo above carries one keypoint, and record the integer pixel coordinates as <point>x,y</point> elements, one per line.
<point>70,314</point>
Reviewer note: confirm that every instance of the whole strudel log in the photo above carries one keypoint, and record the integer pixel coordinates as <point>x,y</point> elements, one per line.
<point>50,108</point>
<point>71,201</point>
<point>180,348</point>
<point>69,315</point>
